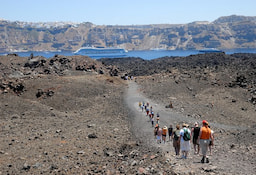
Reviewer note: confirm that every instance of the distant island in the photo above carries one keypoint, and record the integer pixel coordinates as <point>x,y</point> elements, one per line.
<point>229,32</point>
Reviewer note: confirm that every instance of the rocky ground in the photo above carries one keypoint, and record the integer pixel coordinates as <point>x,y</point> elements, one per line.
<point>217,87</point>
<point>69,115</point>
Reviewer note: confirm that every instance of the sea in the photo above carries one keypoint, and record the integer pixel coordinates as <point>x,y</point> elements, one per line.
<point>144,54</point>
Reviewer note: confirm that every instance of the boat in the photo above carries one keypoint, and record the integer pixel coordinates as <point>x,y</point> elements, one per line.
<point>210,50</point>
<point>157,49</point>
<point>101,51</point>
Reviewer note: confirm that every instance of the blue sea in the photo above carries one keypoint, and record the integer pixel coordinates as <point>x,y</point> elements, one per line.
<point>144,54</point>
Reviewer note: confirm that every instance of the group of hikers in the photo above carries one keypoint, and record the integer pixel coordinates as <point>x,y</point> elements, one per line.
<point>202,138</point>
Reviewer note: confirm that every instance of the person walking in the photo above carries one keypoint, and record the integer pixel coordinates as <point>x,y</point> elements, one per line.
<point>147,111</point>
<point>176,140</point>
<point>184,140</point>
<point>194,135</point>
<point>165,130</point>
<point>159,135</point>
<point>170,129</point>
<point>205,135</point>
<point>152,119</point>
<point>155,130</point>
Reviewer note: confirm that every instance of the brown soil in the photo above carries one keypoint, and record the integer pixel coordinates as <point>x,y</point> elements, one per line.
<point>66,115</point>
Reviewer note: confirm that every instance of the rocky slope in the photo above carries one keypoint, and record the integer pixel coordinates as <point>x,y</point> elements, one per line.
<point>67,115</point>
<point>224,33</point>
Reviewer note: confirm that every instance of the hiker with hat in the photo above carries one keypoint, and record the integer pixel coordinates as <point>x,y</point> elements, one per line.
<point>185,140</point>
<point>205,135</point>
<point>165,130</point>
<point>194,134</point>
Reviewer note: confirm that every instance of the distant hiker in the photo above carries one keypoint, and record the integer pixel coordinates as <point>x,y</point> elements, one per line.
<point>152,113</point>
<point>159,135</point>
<point>155,130</point>
<point>157,120</point>
<point>165,130</point>
<point>170,129</point>
<point>185,140</point>
<point>147,104</point>
<point>204,136</point>
<point>140,104</point>
<point>176,140</point>
<point>194,134</point>
<point>211,141</point>
<point>152,120</point>
<point>147,111</point>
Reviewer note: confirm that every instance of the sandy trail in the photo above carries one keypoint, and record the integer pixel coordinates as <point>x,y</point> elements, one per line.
<point>143,130</point>
<point>140,122</point>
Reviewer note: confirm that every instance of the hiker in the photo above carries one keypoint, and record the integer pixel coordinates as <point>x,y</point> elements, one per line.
<point>210,144</point>
<point>184,140</point>
<point>152,120</point>
<point>165,130</point>
<point>157,120</point>
<point>204,136</point>
<point>170,129</point>
<point>194,134</point>
<point>147,111</point>
<point>142,107</point>
<point>159,135</point>
<point>140,104</point>
<point>176,140</point>
<point>155,130</point>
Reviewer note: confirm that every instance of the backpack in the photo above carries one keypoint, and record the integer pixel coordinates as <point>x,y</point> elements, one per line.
<point>186,135</point>
<point>176,135</point>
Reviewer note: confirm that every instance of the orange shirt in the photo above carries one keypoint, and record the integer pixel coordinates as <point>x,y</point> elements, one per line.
<point>165,131</point>
<point>206,132</point>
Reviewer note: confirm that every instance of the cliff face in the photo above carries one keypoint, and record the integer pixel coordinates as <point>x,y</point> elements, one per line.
<point>225,32</point>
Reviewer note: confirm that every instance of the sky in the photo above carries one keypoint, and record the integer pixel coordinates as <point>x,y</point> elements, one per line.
<point>124,12</point>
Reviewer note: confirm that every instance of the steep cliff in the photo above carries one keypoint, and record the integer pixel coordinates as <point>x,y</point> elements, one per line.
<point>225,33</point>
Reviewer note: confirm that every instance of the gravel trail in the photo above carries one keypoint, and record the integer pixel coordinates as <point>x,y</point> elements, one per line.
<point>143,130</point>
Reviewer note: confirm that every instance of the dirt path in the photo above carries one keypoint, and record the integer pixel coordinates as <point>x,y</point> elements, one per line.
<point>223,161</point>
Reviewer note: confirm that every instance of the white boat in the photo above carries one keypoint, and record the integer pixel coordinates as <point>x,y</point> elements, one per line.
<point>157,49</point>
<point>210,50</point>
<point>101,51</point>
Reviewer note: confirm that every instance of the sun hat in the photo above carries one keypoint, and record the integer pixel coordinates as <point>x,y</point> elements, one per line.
<point>196,123</point>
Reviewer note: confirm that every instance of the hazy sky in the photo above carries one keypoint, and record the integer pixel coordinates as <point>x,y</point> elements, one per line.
<point>124,12</point>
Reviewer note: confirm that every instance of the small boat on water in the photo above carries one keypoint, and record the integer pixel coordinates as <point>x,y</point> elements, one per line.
<point>210,50</point>
<point>101,51</point>
<point>157,49</point>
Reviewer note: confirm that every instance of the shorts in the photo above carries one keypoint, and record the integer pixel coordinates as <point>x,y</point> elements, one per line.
<point>185,145</point>
<point>204,146</point>
<point>195,141</point>
<point>158,137</point>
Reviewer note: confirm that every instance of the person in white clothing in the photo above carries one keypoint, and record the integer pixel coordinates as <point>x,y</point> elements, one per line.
<point>184,141</point>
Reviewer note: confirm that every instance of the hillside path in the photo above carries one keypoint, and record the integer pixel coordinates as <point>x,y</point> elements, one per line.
<point>143,130</point>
